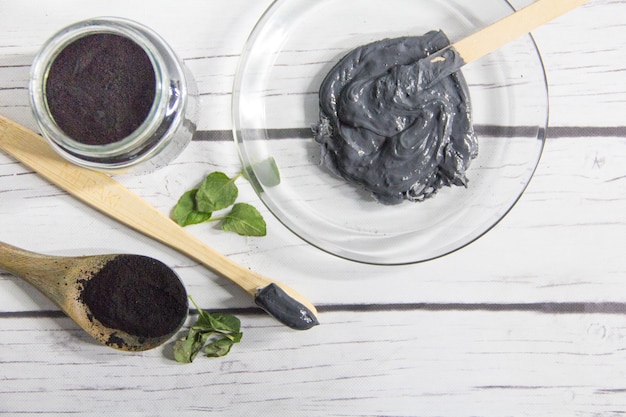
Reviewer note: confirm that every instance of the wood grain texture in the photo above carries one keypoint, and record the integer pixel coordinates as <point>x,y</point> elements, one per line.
<point>577,197</point>
<point>530,320</point>
<point>365,364</point>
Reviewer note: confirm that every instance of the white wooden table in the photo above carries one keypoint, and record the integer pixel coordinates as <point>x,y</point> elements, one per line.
<point>529,320</point>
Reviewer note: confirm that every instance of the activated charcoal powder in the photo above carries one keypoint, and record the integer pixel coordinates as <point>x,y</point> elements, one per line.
<point>138,295</point>
<point>100,88</point>
<point>110,94</point>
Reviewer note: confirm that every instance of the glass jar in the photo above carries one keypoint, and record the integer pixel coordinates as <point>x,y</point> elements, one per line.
<point>171,117</point>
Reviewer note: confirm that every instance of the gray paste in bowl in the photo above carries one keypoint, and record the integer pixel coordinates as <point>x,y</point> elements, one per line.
<point>381,129</point>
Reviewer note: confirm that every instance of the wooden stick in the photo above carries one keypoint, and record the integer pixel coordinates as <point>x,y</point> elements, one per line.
<point>448,60</point>
<point>513,26</point>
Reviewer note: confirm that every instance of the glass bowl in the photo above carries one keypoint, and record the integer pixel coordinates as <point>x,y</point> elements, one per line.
<point>275,103</point>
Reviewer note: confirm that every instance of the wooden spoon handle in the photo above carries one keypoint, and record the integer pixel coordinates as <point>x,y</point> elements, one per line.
<point>38,270</point>
<point>54,276</point>
<point>107,195</point>
<point>513,26</point>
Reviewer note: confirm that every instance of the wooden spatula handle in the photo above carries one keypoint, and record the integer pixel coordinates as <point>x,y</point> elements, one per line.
<point>513,26</point>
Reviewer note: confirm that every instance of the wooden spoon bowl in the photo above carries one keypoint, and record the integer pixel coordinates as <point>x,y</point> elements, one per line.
<point>127,302</point>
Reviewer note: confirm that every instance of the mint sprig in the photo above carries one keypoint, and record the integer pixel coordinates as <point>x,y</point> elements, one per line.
<point>218,192</point>
<point>213,333</point>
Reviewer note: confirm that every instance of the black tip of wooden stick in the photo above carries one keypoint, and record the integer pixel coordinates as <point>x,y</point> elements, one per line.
<point>280,305</point>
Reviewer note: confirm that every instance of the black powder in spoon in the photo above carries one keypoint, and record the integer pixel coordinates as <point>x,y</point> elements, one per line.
<point>100,88</point>
<point>138,295</point>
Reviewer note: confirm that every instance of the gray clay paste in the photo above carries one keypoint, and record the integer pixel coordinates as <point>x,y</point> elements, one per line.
<point>381,128</point>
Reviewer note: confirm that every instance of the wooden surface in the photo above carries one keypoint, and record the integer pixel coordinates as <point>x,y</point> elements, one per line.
<point>530,320</point>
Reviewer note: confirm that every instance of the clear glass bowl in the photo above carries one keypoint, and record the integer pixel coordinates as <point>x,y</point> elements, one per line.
<point>275,102</point>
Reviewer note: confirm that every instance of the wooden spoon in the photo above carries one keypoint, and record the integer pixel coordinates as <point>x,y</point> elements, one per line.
<point>139,314</point>
<point>111,198</point>
<point>448,60</point>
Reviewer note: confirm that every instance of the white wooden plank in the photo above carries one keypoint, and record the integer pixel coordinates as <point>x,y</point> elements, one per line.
<point>563,241</point>
<point>420,363</point>
<point>584,63</point>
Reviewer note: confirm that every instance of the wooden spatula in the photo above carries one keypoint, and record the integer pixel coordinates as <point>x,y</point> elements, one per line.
<point>449,60</point>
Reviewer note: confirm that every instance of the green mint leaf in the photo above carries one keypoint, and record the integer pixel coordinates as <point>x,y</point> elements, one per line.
<point>267,172</point>
<point>216,192</point>
<point>183,350</point>
<point>224,323</point>
<point>219,347</point>
<point>187,348</point>
<point>186,213</point>
<point>217,322</point>
<point>273,177</point>
<point>245,220</point>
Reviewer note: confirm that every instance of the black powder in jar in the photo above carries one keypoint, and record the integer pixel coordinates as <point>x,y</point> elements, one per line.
<point>100,88</point>
<point>138,295</point>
